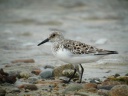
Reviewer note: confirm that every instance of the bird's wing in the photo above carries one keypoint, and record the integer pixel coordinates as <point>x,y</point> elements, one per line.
<point>78,48</point>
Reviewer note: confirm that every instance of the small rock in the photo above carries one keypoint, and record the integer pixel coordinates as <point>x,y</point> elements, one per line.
<point>47,73</point>
<point>84,94</point>
<point>90,85</point>
<point>72,87</point>
<point>23,61</point>
<point>24,74</point>
<point>119,90</point>
<point>126,74</point>
<point>108,71</point>
<point>106,87</point>
<point>30,87</point>
<point>69,73</point>
<point>95,80</point>
<point>116,75</point>
<point>64,78</point>
<point>11,79</point>
<point>3,73</point>
<point>57,72</point>
<point>15,90</point>
<point>2,92</point>
<point>48,66</point>
<point>36,72</point>
<point>8,65</point>
<point>19,83</point>
<point>103,92</point>
<point>101,41</point>
<point>14,73</point>
<point>4,77</point>
<point>112,83</point>
<point>33,79</point>
<point>122,79</point>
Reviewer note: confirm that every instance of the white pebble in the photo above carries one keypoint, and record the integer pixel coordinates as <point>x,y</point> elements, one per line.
<point>101,41</point>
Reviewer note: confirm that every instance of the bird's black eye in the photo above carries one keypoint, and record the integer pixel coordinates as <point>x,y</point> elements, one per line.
<point>53,35</point>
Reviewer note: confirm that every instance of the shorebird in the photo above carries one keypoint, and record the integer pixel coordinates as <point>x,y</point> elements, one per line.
<point>74,52</point>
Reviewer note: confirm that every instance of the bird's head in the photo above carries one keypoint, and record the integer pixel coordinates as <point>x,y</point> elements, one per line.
<point>53,37</point>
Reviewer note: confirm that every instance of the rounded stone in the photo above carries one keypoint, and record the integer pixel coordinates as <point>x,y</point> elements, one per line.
<point>90,85</point>
<point>69,73</point>
<point>119,90</point>
<point>57,72</point>
<point>72,87</point>
<point>47,73</point>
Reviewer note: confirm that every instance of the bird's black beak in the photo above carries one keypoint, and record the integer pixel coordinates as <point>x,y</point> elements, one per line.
<point>46,40</point>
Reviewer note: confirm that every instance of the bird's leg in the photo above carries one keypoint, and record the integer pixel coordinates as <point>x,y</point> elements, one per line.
<point>81,74</point>
<point>71,76</point>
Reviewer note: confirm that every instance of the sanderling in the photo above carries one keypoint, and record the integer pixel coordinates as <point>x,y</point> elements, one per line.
<point>74,52</point>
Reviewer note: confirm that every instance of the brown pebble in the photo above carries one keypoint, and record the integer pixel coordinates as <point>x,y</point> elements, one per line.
<point>28,86</point>
<point>103,92</point>
<point>3,73</point>
<point>119,90</point>
<point>23,61</point>
<point>36,72</point>
<point>90,85</point>
<point>5,78</point>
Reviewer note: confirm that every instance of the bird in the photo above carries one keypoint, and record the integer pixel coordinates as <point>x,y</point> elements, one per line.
<point>74,52</point>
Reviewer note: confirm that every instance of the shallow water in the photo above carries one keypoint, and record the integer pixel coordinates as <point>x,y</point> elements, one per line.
<point>24,23</point>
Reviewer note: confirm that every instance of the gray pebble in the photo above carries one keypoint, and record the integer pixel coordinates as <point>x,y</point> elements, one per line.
<point>72,87</point>
<point>46,74</point>
<point>33,79</point>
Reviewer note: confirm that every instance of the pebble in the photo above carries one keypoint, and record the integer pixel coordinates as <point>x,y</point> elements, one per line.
<point>72,87</point>
<point>33,79</point>
<point>103,92</point>
<point>122,79</point>
<point>90,85</point>
<point>19,83</point>
<point>119,90</point>
<point>14,73</point>
<point>15,90</point>
<point>101,41</point>
<point>106,87</point>
<point>30,87</point>
<point>64,78</point>
<point>23,61</point>
<point>126,74</point>
<point>36,72</point>
<point>48,66</point>
<point>57,72</point>
<point>47,73</point>
<point>2,92</point>
<point>116,75</point>
<point>95,80</point>
<point>69,72</point>
<point>84,94</point>
<point>24,74</point>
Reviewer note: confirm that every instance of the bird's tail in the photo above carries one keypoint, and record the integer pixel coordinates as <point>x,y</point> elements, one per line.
<point>112,52</point>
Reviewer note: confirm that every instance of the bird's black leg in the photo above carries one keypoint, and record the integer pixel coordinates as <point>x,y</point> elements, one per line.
<point>71,76</point>
<point>82,70</point>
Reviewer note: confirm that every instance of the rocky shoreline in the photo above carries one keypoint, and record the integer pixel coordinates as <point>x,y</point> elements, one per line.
<point>48,81</point>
